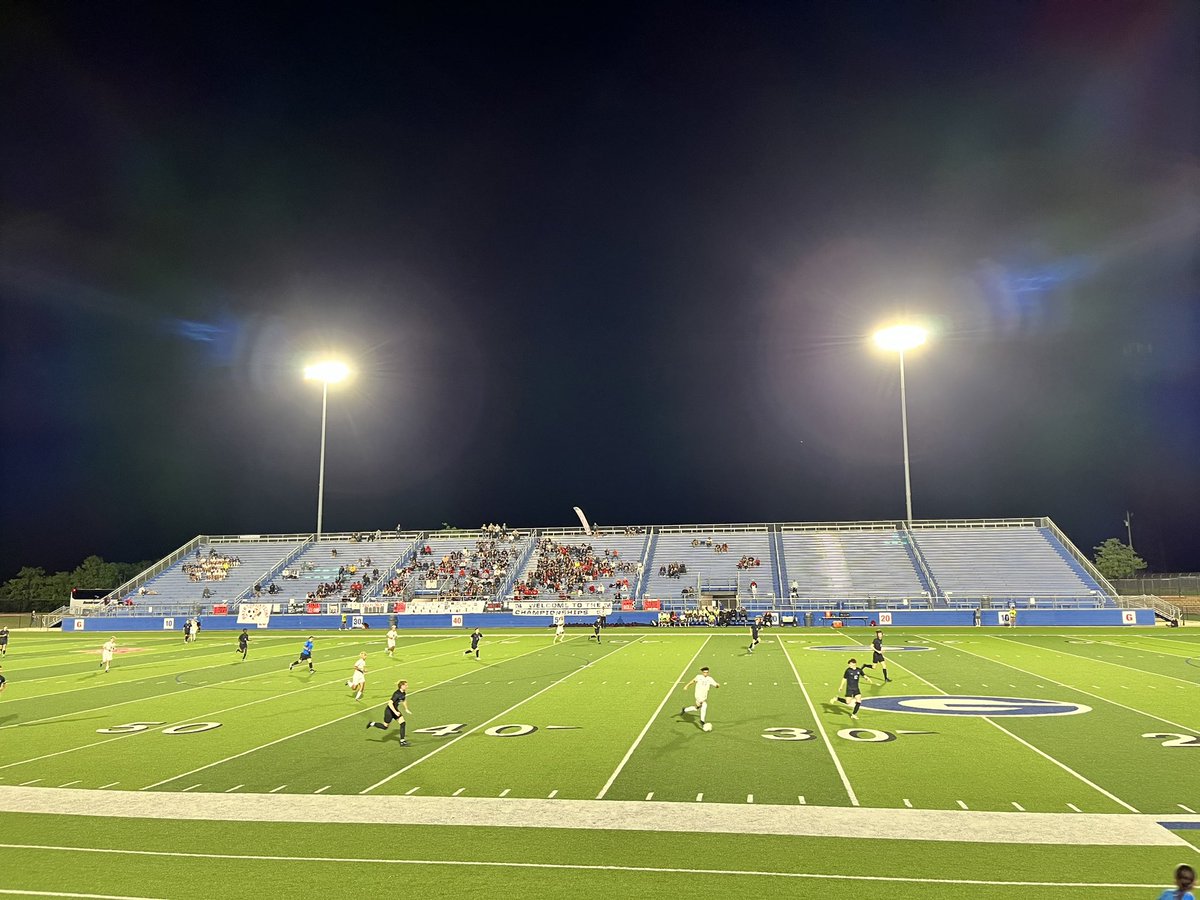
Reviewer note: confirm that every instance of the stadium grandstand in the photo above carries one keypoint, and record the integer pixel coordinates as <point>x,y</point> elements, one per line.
<point>785,570</point>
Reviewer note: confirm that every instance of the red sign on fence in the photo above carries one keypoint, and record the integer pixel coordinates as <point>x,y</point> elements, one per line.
<point>626,606</point>
<point>312,608</point>
<point>652,604</point>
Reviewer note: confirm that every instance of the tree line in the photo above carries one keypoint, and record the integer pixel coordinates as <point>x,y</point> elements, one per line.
<point>35,589</point>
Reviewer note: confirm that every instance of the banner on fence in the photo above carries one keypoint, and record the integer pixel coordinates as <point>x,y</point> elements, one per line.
<point>588,607</point>
<point>438,607</point>
<point>652,604</point>
<point>257,614</point>
<point>374,609</point>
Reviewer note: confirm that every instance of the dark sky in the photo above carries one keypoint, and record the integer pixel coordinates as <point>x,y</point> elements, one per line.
<point>620,257</point>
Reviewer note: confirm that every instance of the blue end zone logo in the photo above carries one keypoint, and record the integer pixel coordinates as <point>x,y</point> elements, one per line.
<point>886,650</point>
<point>957,705</point>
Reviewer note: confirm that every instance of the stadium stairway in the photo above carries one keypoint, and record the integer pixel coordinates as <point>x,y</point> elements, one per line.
<point>324,566</point>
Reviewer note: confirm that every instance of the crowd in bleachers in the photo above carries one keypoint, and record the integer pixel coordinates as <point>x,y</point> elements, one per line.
<point>465,573</point>
<point>749,562</point>
<point>673,570</point>
<point>211,567</point>
<point>567,569</point>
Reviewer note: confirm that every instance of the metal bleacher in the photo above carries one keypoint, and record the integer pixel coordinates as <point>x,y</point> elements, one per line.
<point>707,570</point>
<point>869,566</point>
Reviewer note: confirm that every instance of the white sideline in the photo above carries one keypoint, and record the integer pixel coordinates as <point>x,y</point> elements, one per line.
<point>72,894</point>
<point>1147,673</point>
<point>1077,829</point>
<point>629,753</point>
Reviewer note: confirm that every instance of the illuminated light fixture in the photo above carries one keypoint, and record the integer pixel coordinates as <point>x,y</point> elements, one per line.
<point>329,371</point>
<point>899,338</point>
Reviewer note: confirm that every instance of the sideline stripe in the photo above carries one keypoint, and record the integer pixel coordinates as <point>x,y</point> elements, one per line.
<point>1070,687</point>
<point>69,894</point>
<point>820,726</point>
<point>576,867</point>
<point>629,753</point>
<point>440,747</point>
<point>1025,743</point>
<point>357,712</point>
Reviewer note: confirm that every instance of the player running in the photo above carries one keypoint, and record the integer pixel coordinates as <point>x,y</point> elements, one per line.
<point>877,657</point>
<point>754,626</point>
<point>850,680</point>
<point>396,709</point>
<point>595,631</point>
<point>243,643</point>
<point>106,652</point>
<point>391,642</point>
<point>4,641</point>
<point>703,682</point>
<point>2,680</point>
<point>187,631</point>
<point>476,637</point>
<point>305,656</point>
<point>358,680</point>
<point>1185,880</point>
<point>559,630</point>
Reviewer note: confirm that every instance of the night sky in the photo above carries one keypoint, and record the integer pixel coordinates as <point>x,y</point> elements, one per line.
<point>621,257</point>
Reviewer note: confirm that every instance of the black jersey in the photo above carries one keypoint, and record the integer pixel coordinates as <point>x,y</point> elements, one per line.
<point>754,631</point>
<point>877,644</point>
<point>3,635</point>
<point>398,698</point>
<point>852,675</point>
<point>243,640</point>
<point>475,639</point>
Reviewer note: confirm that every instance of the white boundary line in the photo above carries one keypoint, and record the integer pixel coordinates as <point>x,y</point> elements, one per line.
<point>1020,740</point>
<point>1079,690</point>
<point>577,867</point>
<point>670,690</point>
<point>820,727</point>
<point>1195,684</point>
<point>351,715</point>
<point>455,740</point>
<point>70,894</point>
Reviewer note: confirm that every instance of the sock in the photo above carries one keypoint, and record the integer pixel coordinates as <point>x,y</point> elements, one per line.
<point>402,724</point>
<point>842,700</point>
<point>857,707</point>
<point>358,696</point>
<point>869,666</point>
<point>379,725</point>
<point>689,709</point>
<point>885,674</point>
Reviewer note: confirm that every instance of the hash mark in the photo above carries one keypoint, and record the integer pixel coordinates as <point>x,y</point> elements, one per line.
<point>459,791</point>
<point>23,783</point>
<point>749,798</point>
<point>277,790</point>
<point>1186,809</point>
<point>234,788</point>
<point>552,794</point>
<point>192,788</point>
<point>650,796</point>
<point>412,790</point>
<point>504,793</point>
<point>802,800</point>
<point>1018,806</point>
<point>110,784</point>
<point>323,790</point>
<point>908,803</point>
<point>699,796</point>
<point>960,803</point>
<point>1074,807</point>
<point>69,783</point>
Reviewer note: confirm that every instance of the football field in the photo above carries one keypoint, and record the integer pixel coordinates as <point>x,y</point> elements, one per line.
<point>542,766</point>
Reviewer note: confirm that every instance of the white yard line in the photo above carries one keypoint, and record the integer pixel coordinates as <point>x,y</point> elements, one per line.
<point>1069,687</point>
<point>7,891</point>
<point>1148,674</point>
<point>820,727</point>
<point>629,753</point>
<point>454,740</point>
<point>577,867</point>
<point>350,715</point>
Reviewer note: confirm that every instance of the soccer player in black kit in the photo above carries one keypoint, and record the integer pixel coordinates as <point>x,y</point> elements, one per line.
<point>850,679</point>
<point>754,626</point>
<point>877,656</point>
<point>476,637</point>
<point>596,631</point>
<point>396,710</point>
<point>243,643</point>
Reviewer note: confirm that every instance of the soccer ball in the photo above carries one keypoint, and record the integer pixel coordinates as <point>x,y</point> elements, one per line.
<point>708,726</point>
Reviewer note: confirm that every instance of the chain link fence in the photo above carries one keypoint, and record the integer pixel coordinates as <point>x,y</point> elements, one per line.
<point>1179,584</point>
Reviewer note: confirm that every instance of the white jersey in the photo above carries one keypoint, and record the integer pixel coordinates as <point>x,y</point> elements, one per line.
<point>106,651</point>
<point>360,673</point>
<point>704,683</point>
<point>558,629</point>
<point>391,639</point>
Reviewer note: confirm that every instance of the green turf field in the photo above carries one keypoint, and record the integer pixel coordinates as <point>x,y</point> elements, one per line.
<point>581,721</point>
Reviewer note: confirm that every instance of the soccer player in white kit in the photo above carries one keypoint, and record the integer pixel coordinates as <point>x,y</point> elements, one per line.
<point>359,679</point>
<point>106,652</point>
<point>558,630</point>
<point>703,683</point>
<point>391,642</point>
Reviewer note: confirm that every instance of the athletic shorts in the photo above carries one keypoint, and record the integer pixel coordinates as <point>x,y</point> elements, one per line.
<point>389,716</point>
<point>876,657</point>
<point>357,678</point>
<point>305,655</point>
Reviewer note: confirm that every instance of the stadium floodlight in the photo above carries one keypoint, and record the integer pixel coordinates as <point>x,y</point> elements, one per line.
<point>329,371</point>
<point>899,339</point>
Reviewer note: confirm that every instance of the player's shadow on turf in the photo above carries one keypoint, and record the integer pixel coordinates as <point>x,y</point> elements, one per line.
<point>7,719</point>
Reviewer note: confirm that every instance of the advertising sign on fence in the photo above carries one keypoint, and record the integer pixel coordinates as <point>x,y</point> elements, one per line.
<point>438,607</point>
<point>257,614</point>
<point>588,607</point>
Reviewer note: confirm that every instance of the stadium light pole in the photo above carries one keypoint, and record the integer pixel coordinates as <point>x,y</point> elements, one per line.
<point>899,339</point>
<point>327,372</point>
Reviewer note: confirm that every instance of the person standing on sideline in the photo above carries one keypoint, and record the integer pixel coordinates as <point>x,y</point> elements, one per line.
<point>395,710</point>
<point>703,682</point>
<point>106,652</point>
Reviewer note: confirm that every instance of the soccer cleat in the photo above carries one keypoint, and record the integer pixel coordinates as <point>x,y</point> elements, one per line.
<point>854,716</point>
<point>370,725</point>
<point>404,743</point>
